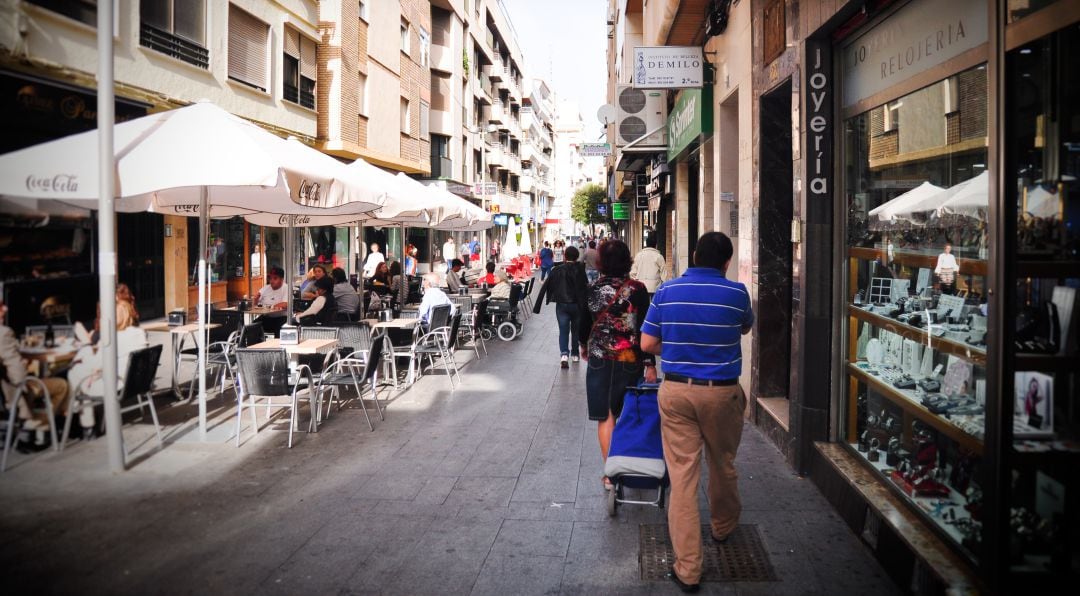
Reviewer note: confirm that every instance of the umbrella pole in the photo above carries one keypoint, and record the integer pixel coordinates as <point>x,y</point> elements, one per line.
<point>204,296</point>
<point>402,278</point>
<point>289,268</point>
<point>106,235</point>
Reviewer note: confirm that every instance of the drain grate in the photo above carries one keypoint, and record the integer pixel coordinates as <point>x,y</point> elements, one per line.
<point>741,559</point>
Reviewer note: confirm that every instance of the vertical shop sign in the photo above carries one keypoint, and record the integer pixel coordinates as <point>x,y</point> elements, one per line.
<point>819,118</point>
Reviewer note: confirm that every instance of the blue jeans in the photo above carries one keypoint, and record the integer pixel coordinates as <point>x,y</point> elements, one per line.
<point>544,271</point>
<point>568,316</point>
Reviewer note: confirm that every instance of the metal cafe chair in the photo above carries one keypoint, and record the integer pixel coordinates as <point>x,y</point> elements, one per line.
<point>22,393</point>
<point>265,375</point>
<point>356,373</point>
<point>436,342</point>
<point>138,387</point>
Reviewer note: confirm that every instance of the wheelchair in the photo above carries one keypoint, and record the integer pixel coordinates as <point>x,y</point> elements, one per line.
<point>501,317</point>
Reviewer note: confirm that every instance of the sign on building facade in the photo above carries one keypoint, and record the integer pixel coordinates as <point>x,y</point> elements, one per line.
<point>669,67</point>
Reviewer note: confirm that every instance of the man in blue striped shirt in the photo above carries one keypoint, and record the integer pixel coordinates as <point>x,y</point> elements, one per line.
<point>695,324</point>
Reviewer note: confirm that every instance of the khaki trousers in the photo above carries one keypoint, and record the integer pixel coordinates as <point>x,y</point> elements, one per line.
<point>692,417</point>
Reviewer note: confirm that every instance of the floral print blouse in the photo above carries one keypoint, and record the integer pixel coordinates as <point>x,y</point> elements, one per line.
<point>615,333</point>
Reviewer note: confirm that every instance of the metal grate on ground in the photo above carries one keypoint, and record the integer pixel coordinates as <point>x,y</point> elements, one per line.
<point>741,559</point>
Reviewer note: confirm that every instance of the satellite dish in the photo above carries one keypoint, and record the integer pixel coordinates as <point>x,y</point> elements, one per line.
<point>606,114</point>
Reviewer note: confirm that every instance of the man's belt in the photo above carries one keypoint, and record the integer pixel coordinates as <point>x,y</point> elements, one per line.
<point>706,382</point>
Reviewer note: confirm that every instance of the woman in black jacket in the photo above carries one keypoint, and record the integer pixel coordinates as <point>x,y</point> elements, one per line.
<point>566,286</point>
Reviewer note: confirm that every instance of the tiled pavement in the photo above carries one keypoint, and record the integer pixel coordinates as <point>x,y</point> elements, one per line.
<point>491,489</point>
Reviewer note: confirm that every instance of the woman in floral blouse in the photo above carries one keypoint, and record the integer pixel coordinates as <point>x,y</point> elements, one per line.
<point>611,340</point>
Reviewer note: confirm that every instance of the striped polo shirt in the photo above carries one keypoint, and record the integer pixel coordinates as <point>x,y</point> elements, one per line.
<point>699,319</point>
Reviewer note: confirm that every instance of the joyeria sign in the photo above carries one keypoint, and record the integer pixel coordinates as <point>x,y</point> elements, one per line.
<point>818,119</point>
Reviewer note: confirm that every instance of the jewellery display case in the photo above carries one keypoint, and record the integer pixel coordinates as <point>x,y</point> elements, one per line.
<point>916,285</point>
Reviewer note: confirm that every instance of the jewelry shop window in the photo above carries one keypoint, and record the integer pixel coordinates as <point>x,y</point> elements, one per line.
<point>916,186</point>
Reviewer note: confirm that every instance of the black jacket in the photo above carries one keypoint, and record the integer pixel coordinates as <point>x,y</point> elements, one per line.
<point>565,285</point>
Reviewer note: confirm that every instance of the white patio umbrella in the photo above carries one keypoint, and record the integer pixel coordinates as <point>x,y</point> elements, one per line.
<point>1040,202</point>
<point>902,205</point>
<point>198,159</point>
<point>966,198</point>
<point>510,246</point>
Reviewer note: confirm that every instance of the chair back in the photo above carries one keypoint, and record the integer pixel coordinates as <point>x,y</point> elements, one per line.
<point>454,326</point>
<point>264,372</point>
<point>440,317</point>
<point>307,333</point>
<point>515,295</point>
<point>354,337</point>
<point>375,356</point>
<point>229,320</point>
<point>251,335</point>
<point>141,369</point>
<point>479,315</point>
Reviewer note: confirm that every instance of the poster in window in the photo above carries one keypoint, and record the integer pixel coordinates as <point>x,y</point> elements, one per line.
<point>1033,409</point>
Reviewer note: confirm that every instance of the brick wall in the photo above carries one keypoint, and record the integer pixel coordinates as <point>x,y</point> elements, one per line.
<point>972,95</point>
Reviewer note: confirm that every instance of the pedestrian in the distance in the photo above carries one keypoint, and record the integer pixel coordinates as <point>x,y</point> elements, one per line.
<point>650,267</point>
<point>449,251</point>
<point>694,325</point>
<point>590,258</point>
<point>558,253</point>
<point>611,328</point>
<point>547,259</point>
<point>566,288</point>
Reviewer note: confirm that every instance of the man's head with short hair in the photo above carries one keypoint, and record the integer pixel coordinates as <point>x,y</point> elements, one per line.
<point>456,264</point>
<point>490,267</point>
<point>571,253</point>
<point>275,277</point>
<point>650,241</point>
<point>592,243</point>
<point>714,249</point>
<point>374,247</point>
<point>431,280</point>
<point>338,275</point>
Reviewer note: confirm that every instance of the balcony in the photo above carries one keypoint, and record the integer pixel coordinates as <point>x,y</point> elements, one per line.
<point>175,46</point>
<point>496,115</point>
<point>442,167</point>
<point>528,152</point>
<point>441,122</point>
<point>442,58</point>
<point>495,156</point>
<point>482,89</point>
<point>526,184</point>
<point>494,71</point>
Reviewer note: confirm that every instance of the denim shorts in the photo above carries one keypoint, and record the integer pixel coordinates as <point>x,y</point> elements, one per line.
<point>606,382</point>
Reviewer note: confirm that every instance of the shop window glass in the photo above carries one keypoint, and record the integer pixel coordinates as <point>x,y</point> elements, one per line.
<point>216,249</point>
<point>917,188</point>
<point>1042,211</point>
<point>234,251</point>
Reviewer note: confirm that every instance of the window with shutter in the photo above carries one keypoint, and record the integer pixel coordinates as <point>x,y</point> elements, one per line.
<point>299,69</point>
<point>175,28</point>
<point>361,92</point>
<point>248,40</point>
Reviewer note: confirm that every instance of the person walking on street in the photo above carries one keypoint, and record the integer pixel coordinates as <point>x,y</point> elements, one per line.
<point>566,286</point>
<point>449,251</point>
<point>590,258</point>
<point>558,253</point>
<point>650,267</point>
<point>694,324</point>
<point>611,329</point>
<point>547,259</point>
<point>495,251</point>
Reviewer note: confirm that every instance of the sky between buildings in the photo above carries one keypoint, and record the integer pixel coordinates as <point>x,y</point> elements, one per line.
<point>565,43</point>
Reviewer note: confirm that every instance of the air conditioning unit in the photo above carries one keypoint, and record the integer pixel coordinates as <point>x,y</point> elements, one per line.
<point>640,111</point>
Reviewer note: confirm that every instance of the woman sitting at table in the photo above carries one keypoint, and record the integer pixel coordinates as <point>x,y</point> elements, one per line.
<point>84,377</point>
<point>345,297</point>
<point>380,281</point>
<point>307,288</point>
<point>489,278</point>
<point>501,290</point>
<point>323,308</point>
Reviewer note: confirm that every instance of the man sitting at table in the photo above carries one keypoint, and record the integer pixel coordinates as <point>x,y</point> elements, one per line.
<point>453,276</point>
<point>273,295</point>
<point>13,372</point>
<point>488,278</point>
<point>433,296</point>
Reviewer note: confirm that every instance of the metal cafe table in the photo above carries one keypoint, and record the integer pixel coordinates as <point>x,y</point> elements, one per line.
<point>255,311</point>
<point>178,333</point>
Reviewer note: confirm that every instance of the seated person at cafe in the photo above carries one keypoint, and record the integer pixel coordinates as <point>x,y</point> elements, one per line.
<point>307,289</point>
<point>13,372</point>
<point>380,281</point>
<point>501,290</point>
<point>84,377</point>
<point>488,278</point>
<point>400,286</point>
<point>123,292</point>
<point>433,296</point>
<point>345,297</point>
<point>273,295</point>
<point>322,310</point>
<point>453,276</point>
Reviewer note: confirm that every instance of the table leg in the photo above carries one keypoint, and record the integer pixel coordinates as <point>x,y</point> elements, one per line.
<point>177,344</point>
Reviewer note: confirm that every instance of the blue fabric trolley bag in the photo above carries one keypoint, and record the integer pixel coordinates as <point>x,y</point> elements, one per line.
<point>636,456</point>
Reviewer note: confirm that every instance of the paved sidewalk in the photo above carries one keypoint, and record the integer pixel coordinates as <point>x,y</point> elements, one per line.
<point>492,489</point>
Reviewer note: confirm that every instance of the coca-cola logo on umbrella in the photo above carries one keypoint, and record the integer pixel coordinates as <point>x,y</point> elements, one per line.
<point>56,183</point>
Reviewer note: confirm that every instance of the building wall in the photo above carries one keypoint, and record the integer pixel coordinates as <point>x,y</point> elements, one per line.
<point>57,41</point>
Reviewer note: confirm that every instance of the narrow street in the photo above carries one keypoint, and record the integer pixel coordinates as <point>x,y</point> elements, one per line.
<point>492,489</point>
